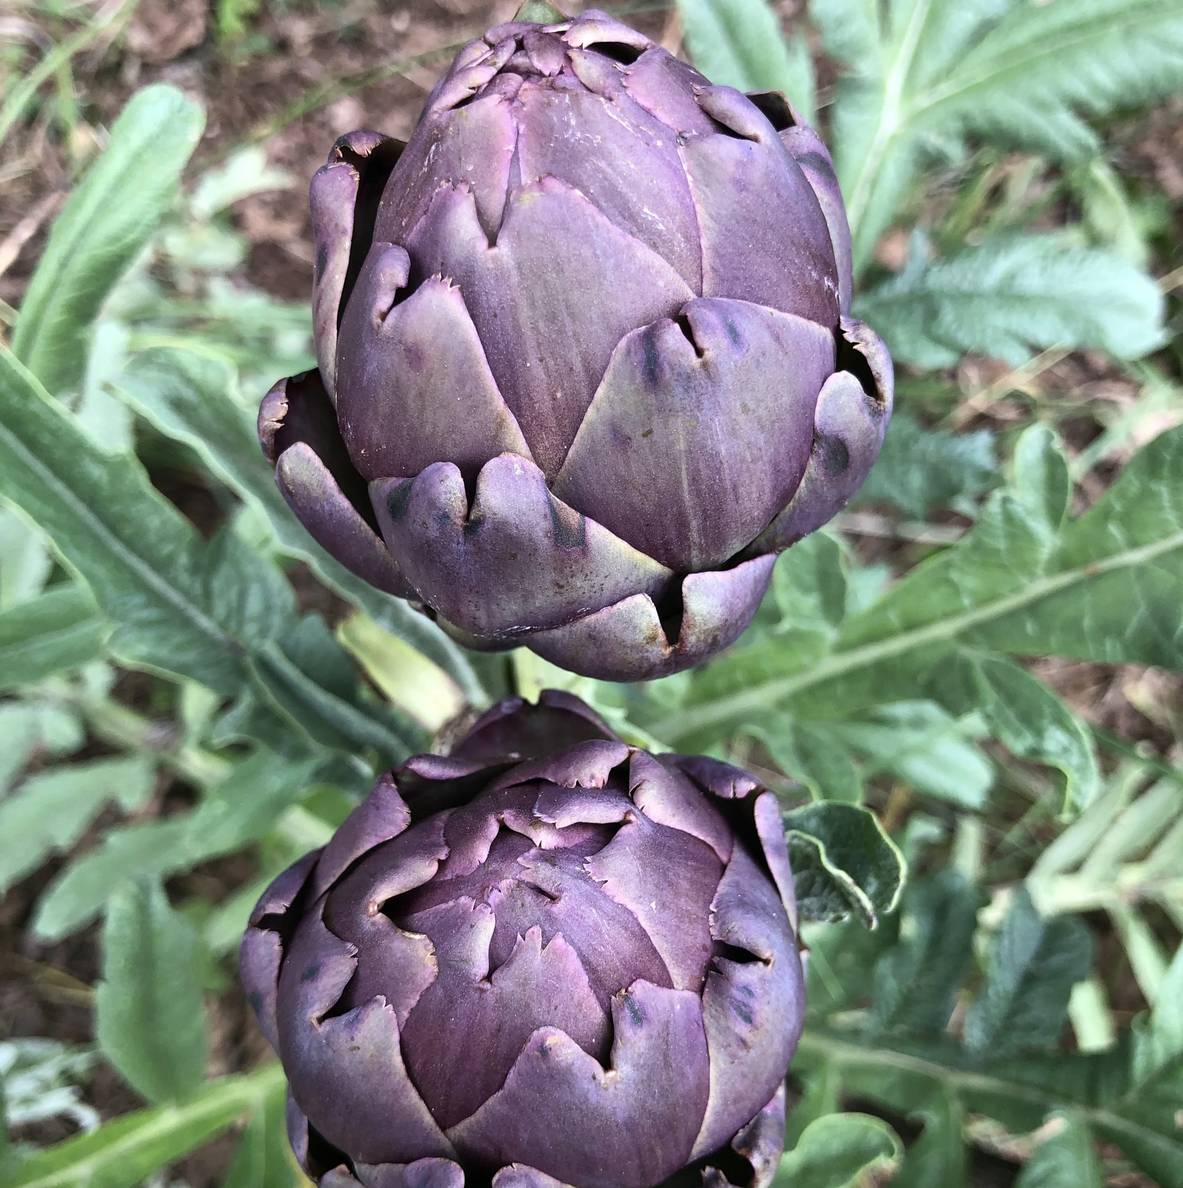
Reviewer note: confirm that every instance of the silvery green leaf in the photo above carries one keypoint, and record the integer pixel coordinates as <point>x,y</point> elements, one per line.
<point>739,43</point>
<point>839,1151</point>
<point>149,1008</point>
<point>51,810</point>
<point>1012,296</point>
<point>107,220</point>
<point>1033,966</point>
<point>843,863</point>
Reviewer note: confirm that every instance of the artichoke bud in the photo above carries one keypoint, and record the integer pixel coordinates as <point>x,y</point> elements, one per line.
<point>585,356</point>
<point>549,958</point>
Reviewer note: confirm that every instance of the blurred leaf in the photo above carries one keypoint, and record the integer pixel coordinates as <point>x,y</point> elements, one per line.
<point>129,1148</point>
<point>245,805</point>
<point>25,563</point>
<point>1090,1017</point>
<point>406,677</point>
<point>926,748</point>
<point>244,173</point>
<point>840,972</point>
<point>1064,1158</point>
<point>916,982</point>
<point>1033,966</point>
<point>843,863</point>
<point>1157,1040</point>
<point>1107,211</point>
<point>106,418</point>
<point>809,585</point>
<point>920,469</point>
<point>8,1157</point>
<point>231,17</point>
<point>938,1158</point>
<point>1011,296</point>
<point>52,809</point>
<point>1026,717</point>
<point>1103,587</point>
<point>263,1157</point>
<point>178,604</point>
<point>32,727</point>
<point>837,1151</point>
<point>150,1012</point>
<point>815,756</point>
<point>739,43</point>
<point>920,76</point>
<point>107,220</point>
<point>797,623</point>
<point>40,1078</point>
<point>185,396</point>
<point>903,1074</point>
<point>330,712</point>
<point>20,737</point>
<point>55,632</point>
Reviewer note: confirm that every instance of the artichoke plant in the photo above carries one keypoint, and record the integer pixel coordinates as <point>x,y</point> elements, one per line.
<point>586,362</point>
<point>549,959</point>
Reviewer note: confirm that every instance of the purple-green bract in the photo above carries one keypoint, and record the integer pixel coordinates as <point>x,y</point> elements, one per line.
<point>549,959</point>
<point>586,363</point>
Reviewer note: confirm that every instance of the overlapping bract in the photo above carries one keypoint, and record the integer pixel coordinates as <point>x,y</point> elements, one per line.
<point>549,958</point>
<point>586,362</point>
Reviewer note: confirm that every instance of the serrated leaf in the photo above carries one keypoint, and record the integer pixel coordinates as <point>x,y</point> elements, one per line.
<point>921,469</point>
<point>1103,587</point>
<point>52,809</point>
<point>1033,966</point>
<point>241,808</point>
<point>739,43</point>
<point>179,605</point>
<point>107,220</point>
<point>921,74</point>
<point>843,863</point>
<point>54,632</point>
<point>149,1008</point>
<point>127,1149</point>
<point>1011,296</point>
<point>1064,1158</point>
<point>837,1151</point>
<point>917,981</point>
<point>185,395</point>
<point>1026,717</point>
<point>263,1157</point>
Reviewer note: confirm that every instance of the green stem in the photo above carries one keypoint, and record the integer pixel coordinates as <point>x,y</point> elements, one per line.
<point>124,728</point>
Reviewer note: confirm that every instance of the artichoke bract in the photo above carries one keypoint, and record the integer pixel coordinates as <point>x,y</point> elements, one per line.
<point>585,359</point>
<point>549,958</point>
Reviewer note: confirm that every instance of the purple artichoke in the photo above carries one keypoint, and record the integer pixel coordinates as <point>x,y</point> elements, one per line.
<point>586,363</point>
<point>550,959</point>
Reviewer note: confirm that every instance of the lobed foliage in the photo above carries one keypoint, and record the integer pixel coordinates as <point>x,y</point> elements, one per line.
<point>957,839</point>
